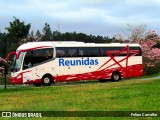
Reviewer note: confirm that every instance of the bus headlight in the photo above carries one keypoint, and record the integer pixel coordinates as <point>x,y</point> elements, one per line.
<point>19,76</point>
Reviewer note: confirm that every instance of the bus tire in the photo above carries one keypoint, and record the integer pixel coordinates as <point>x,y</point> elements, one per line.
<point>47,80</point>
<point>116,76</point>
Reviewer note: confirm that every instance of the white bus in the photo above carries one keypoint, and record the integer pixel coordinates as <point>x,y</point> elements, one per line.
<point>44,63</point>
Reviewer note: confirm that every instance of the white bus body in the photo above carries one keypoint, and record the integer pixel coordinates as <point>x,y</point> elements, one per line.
<point>48,62</point>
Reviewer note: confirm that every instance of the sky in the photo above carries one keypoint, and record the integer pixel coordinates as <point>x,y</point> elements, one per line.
<point>96,17</point>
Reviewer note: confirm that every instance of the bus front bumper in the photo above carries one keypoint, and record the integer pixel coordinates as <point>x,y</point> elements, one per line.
<point>16,80</point>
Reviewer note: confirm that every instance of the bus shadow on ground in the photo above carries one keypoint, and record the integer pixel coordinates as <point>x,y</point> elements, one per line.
<point>79,82</point>
<point>74,83</point>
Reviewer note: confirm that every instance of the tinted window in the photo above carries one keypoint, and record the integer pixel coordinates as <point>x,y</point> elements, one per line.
<point>88,52</point>
<point>135,50</point>
<point>66,52</point>
<point>35,57</point>
<point>103,51</point>
<point>116,51</point>
<point>110,50</point>
<point>77,52</point>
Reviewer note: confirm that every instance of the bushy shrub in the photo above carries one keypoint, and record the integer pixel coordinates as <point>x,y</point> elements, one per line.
<point>151,55</point>
<point>150,70</point>
<point>2,63</point>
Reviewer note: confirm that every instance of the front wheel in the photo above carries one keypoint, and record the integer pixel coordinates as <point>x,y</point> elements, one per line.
<point>116,76</point>
<point>47,80</point>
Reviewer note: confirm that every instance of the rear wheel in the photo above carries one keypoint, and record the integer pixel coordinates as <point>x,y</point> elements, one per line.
<point>47,80</point>
<point>116,76</point>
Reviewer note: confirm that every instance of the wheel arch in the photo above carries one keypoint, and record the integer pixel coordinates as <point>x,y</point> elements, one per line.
<point>116,72</point>
<point>48,75</point>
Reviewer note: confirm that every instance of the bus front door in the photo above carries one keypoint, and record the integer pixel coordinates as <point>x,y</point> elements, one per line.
<point>27,76</point>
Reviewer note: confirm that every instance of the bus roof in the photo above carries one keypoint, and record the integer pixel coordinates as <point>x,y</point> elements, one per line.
<point>47,44</point>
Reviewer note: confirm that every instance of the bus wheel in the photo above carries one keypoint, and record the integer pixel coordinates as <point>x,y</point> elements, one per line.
<point>47,80</point>
<point>116,76</point>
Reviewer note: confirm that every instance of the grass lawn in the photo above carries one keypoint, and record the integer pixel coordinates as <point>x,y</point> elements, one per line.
<point>125,95</point>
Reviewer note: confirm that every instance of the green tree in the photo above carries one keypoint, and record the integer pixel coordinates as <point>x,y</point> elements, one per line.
<point>47,33</point>
<point>18,29</point>
<point>56,36</point>
<point>17,33</point>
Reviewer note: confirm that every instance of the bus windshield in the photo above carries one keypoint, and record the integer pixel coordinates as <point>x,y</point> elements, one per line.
<point>17,63</point>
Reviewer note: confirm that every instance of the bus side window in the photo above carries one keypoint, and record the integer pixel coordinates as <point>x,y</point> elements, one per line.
<point>27,60</point>
<point>93,52</point>
<point>60,53</point>
<point>66,52</point>
<point>72,53</point>
<point>82,52</point>
<point>42,55</point>
<point>48,54</point>
<point>135,50</point>
<point>35,57</point>
<point>89,52</point>
<point>103,51</point>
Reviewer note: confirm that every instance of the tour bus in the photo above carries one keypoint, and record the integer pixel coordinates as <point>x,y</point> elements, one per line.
<point>44,63</point>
